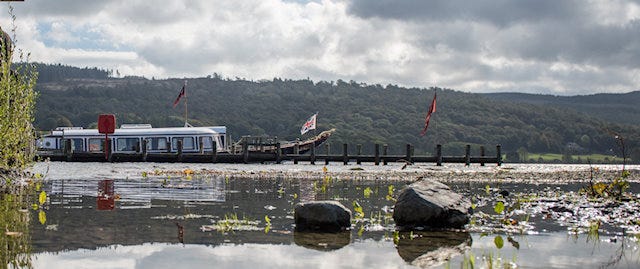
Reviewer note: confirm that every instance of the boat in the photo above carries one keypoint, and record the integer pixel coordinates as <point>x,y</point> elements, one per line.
<point>136,139</point>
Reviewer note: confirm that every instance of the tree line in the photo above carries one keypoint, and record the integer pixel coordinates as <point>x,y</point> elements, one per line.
<point>361,113</point>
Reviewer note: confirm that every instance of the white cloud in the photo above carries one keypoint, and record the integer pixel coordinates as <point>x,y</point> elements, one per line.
<point>552,47</point>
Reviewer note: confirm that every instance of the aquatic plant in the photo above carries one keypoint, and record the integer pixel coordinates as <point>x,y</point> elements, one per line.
<point>231,223</point>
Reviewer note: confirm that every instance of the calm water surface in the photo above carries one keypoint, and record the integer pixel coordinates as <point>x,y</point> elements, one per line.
<point>113,216</point>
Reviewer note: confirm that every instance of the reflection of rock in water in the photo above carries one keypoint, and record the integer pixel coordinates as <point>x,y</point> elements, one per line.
<point>428,249</point>
<point>322,241</point>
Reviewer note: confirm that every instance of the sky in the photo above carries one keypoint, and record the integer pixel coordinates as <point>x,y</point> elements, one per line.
<point>567,47</point>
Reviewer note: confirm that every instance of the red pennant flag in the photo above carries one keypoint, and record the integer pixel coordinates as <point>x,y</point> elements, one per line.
<point>180,95</point>
<point>432,109</point>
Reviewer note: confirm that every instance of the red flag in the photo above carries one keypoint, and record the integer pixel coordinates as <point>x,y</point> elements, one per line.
<point>432,109</point>
<point>180,95</point>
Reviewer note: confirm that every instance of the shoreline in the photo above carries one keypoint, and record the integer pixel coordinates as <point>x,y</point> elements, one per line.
<point>453,173</point>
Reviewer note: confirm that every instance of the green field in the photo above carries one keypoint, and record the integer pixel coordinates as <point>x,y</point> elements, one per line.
<point>594,158</point>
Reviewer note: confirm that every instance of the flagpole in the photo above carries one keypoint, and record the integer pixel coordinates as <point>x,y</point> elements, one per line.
<point>186,105</point>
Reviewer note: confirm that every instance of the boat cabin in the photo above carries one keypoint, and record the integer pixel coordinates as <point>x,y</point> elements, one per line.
<point>129,139</point>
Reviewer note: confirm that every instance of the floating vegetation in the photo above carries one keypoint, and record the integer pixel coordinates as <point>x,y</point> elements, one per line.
<point>232,223</point>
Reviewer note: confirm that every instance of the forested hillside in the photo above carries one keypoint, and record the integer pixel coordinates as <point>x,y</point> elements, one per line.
<point>361,113</point>
<point>620,108</point>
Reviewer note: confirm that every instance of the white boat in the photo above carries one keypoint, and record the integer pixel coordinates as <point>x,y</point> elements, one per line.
<point>129,138</point>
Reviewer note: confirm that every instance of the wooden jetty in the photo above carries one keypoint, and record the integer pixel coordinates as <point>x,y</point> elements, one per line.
<point>245,155</point>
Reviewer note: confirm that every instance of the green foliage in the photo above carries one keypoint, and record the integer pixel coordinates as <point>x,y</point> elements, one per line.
<point>365,114</point>
<point>17,102</point>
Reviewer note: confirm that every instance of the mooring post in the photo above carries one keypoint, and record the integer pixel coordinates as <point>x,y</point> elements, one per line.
<point>467,155</point>
<point>376,154</point>
<point>144,150</point>
<point>168,147</point>
<point>214,151</point>
<point>359,150</point>
<point>385,149</point>
<point>481,155</point>
<point>408,158</point>
<point>296,151</point>
<point>438,155</point>
<point>245,151</point>
<point>345,154</point>
<point>328,150</point>
<point>278,153</point>
<point>110,155</point>
<point>180,150</point>
<point>68,149</point>
<point>313,154</point>
<point>499,155</point>
<point>201,144</point>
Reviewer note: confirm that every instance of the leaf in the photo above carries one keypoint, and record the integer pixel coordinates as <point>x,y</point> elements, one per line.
<point>42,217</point>
<point>487,189</point>
<point>498,241</point>
<point>499,207</point>
<point>267,220</point>
<point>367,192</point>
<point>42,198</point>
<point>514,243</point>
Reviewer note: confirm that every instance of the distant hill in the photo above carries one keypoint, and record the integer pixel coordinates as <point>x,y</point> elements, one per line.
<point>361,113</point>
<point>620,108</point>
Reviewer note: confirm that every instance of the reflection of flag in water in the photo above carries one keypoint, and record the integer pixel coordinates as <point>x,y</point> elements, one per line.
<point>180,95</point>
<point>432,109</point>
<point>309,125</point>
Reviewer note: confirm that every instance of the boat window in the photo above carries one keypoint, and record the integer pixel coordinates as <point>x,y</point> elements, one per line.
<point>77,144</point>
<point>187,143</point>
<point>157,143</point>
<point>127,144</point>
<point>96,144</point>
<point>207,142</point>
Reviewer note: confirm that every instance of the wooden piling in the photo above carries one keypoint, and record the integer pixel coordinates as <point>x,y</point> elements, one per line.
<point>313,154</point>
<point>359,150</point>
<point>385,149</point>
<point>482,155</point>
<point>144,150</point>
<point>168,146</point>
<point>438,155</point>
<point>245,151</point>
<point>345,154</point>
<point>328,150</point>
<point>296,151</point>
<point>110,152</point>
<point>408,156</point>
<point>278,153</point>
<point>201,144</point>
<point>68,149</point>
<point>498,155</point>
<point>376,154</point>
<point>214,152</point>
<point>467,155</point>
<point>180,151</point>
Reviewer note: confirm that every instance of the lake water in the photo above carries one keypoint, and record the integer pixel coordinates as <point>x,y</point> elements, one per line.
<point>146,215</point>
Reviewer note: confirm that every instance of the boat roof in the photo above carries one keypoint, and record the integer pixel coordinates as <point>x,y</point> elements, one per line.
<point>213,130</point>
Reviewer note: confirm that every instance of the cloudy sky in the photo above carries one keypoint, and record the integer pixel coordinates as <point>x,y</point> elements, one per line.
<point>536,46</point>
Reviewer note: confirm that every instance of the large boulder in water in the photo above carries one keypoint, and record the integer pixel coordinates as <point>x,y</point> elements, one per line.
<point>322,216</point>
<point>430,204</point>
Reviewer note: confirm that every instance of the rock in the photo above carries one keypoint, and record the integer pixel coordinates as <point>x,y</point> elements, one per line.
<point>430,204</point>
<point>322,216</point>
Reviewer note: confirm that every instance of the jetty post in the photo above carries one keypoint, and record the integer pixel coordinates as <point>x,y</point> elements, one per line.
<point>278,153</point>
<point>467,155</point>
<point>245,151</point>
<point>376,154</point>
<point>385,149</point>
<point>296,151</point>
<point>438,155</point>
<point>144,150</point>
<point>359,153</point>
<point>68,149</point>
<point>345,154</point>
<point>481,155</point>
<point>180,151</point>
<point>313,154</point>
<point>499,155</point>
<point>214,151</point>
<point>201,144</point>
<point>328,149</point>
<point>408,157</point>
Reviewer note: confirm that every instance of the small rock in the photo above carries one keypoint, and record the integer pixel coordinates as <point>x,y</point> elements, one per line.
<point>322,216</point>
